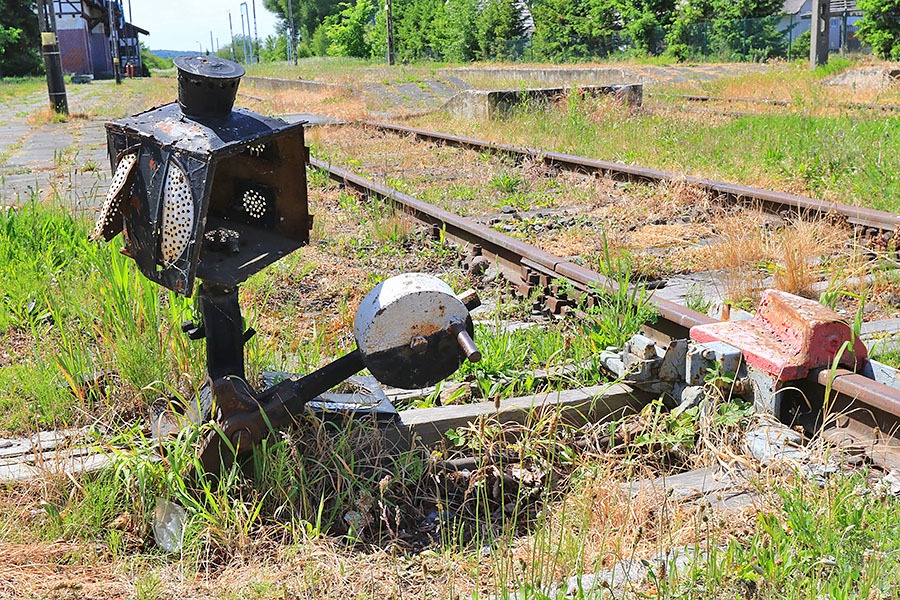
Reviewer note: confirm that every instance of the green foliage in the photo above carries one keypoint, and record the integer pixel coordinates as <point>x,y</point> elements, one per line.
<point>274,49</point>
<point>347,30</point>
<point>880,27</point>
<point>835,540</point>
<point>308,15</point>
<point>239,54</point>
<point>800,46</point>
<point>19,38</point>
<point>619,312</point>
<point>152,61</point>
<point>498,24</point>
<point>739,30</point>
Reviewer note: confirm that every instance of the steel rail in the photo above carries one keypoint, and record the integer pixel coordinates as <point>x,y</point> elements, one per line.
<point>512,253</point>
<point>515,256</point>
<point>767,199</point>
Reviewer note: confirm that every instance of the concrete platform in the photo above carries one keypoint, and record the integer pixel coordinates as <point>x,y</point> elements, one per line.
<point>492,104</point>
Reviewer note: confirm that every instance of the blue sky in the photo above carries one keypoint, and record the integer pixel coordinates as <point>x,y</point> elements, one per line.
<point>185,24</point>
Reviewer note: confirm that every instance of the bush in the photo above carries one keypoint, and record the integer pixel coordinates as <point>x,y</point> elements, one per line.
<point>800,47</point>
<point>880,27</point>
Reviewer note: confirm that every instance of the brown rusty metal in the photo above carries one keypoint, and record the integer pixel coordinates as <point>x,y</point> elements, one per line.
<point>875,396</point>
<point>765,199</point>
<point>509,252</point>
<point>868,405</point>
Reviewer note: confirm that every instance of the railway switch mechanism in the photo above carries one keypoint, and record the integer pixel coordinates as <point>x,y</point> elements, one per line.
<point>205,191</point>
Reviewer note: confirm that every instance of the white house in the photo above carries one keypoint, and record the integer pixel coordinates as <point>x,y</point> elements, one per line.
<point>844,15</point>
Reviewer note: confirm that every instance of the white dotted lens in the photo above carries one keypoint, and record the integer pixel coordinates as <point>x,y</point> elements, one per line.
<point>254,204</point>
<point>256,150</point>
<point>115,196</point>
<point>178,214</point>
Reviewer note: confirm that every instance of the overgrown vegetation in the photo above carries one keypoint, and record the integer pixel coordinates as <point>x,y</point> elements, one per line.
<point>880,27</point>
<point>19,39</point>
<point>841,157</point>
<point>566,30</point>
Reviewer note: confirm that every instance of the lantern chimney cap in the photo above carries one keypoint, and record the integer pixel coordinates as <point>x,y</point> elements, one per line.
<point>207,85</point>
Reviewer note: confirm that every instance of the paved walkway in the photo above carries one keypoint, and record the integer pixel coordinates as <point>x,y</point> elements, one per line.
<point>57,161</point>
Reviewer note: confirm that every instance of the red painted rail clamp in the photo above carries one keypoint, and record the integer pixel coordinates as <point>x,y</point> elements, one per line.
<point>788,337</point>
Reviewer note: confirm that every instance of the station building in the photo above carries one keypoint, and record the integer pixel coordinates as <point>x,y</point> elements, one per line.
<point>88,32</point>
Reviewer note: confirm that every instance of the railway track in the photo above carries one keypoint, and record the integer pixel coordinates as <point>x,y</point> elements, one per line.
<point>768,200</point>
<point>869,411</point>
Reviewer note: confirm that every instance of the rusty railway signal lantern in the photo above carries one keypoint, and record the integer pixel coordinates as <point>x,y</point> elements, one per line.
<point>205,191</point>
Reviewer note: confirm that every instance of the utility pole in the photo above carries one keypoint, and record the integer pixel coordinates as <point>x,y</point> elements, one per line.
<point>248,54</point>
<point>137,44</point>
<point>231,31</point>
<point>56,84</point>
<point>390,31</point>
<point>114,42</point>
<point>293,45</point>
<point>212,48</point>
<point>255,33</point>
<point>243,35</point>
<point>819,29</point>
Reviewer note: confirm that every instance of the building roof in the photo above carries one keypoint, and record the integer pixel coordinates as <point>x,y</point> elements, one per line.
<point>837,8</point>
<point>792,7</point>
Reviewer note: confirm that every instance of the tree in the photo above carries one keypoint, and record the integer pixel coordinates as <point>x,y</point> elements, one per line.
<point>308,14</point>
<point>274,48</point>
<point>20,38</point>
<point>880,27</point>
<point>347,30</point>
<point>457,32</point>
<point>733,29</point>
<point>498,24</point>
<point>225,51</point>
<point>747,29</point>
<point>645,22</point>
<point>152,61</point>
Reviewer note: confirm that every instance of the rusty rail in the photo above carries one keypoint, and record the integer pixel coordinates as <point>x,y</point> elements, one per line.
<point>869,404</point>
<point>766,199</point>
<point>512,254</point>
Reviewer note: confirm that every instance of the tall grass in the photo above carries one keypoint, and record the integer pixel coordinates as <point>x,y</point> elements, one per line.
<point>848,158</point>
<point>88,327</point>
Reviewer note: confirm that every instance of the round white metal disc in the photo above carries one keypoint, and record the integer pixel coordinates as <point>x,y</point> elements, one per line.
<point>403,307</point>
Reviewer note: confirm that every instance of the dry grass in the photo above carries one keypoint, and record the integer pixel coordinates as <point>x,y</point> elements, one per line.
<point>797,250</point>
<point>338,104</point>
<point>45,115</point>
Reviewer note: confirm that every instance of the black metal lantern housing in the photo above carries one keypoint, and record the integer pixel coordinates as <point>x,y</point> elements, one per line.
<point>204,190</point>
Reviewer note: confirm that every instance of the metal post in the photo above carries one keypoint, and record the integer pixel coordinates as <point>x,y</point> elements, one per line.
<point>248,53</point>
<point>114,42</point>
<point>255,33</point>
<point>844,32</point>
<point>818,28</point>
<point>56,83</point>
<point>389,23</point>
<point>293,45</point>
<point>212,48</point>
<point>248,44</point>
<point>244,34</point>
<point>791,36</point>
<point>231,31</point>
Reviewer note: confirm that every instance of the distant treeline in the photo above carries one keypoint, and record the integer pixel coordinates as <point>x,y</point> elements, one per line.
<point>557,30</point>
